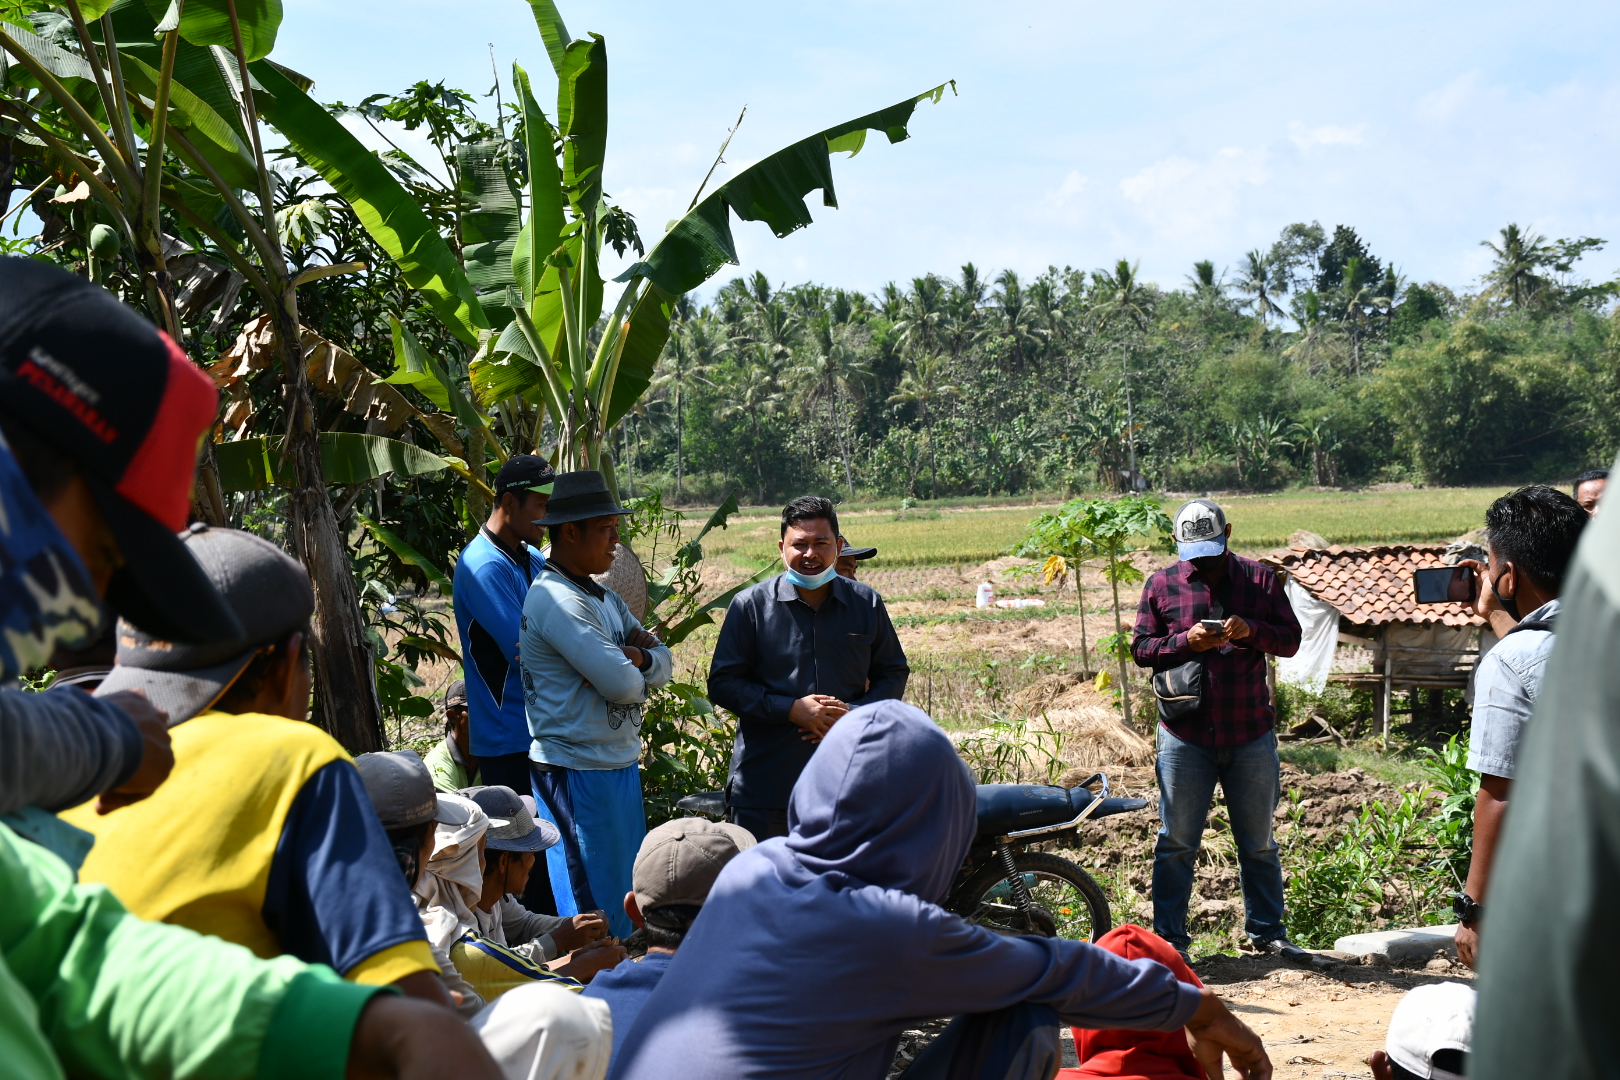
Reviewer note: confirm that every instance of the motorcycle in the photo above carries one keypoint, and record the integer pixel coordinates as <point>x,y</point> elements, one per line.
<point>1004,886</point>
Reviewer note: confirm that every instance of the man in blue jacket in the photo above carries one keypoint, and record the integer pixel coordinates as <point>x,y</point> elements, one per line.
<point>491,580</point>
<point>587,669</point>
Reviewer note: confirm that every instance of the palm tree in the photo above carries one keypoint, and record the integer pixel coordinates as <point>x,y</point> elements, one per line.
<point>924,311</point>
<point>1518,258</point>
<point>829,372</point>
<point>1258,280</point>
<point>924,385</point>
<point>1120,296</point>
<point>1014,314</point>
<point>753,392</point>
<point>691,354</point>
<point>892,302</point>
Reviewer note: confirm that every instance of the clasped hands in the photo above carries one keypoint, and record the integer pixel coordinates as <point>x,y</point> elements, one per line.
<point>816,713</point>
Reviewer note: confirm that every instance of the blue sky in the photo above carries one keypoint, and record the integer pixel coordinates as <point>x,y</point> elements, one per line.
<point>1082,133</point>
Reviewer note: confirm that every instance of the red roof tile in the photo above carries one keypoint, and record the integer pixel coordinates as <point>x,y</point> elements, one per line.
<point>1371,586</point>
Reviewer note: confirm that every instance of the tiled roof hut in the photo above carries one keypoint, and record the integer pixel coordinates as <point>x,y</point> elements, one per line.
<point>1429,646</point>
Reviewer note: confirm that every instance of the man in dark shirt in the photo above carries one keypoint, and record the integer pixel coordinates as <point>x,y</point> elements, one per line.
<point>795,653</point>
<point>1228,738</point>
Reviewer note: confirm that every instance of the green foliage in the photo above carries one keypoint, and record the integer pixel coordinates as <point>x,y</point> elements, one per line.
<point>686,748</point>
<point>1011,750</point>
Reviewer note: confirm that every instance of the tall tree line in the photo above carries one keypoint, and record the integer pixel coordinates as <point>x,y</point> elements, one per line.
<point>1312,361</point>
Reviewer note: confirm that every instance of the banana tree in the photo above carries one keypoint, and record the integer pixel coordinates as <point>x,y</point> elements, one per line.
<point>167,135</point>
<point>530,292</point>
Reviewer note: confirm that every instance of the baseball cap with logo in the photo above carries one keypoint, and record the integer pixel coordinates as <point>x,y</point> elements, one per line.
<point>266,591</point>
<point>1200,529</point>
<point>97,383</point>
<point>679,861</point>
<point>1432,1028</point>
<point>525,472</point>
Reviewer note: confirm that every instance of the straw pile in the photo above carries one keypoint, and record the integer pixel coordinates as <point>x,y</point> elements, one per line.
<point>1097,738</point>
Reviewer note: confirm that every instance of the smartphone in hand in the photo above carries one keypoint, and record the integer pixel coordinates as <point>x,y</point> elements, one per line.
<point>1213,626</point>
<point>1444,584</point>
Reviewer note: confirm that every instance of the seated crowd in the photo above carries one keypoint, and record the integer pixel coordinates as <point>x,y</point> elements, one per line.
<point>200,883</point>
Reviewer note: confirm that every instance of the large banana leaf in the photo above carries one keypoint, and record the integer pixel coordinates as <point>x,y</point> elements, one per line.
<point>582,106</point>
<point>407,555</point>
<point>489,227</point>
<point>415,366</point>
<point>772,191</point>
<point>387,213</point>
<point>214,137</point>
<point>208,22</point>
<point>346,458</point>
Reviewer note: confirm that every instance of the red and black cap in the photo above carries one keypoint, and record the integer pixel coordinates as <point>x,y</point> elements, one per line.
<point>94,380</point>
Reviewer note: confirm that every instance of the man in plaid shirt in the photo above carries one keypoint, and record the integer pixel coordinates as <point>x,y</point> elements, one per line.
<point>1229,737</point>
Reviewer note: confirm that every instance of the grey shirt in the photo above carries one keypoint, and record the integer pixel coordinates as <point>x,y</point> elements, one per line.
<point>774,649</point>
<point>1505,693</point>
<point>62,747</point>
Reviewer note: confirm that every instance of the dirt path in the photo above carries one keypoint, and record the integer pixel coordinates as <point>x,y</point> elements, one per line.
<point>1318,1024</point>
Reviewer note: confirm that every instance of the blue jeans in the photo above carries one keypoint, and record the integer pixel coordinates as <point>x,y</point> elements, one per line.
<point>1251,784</point>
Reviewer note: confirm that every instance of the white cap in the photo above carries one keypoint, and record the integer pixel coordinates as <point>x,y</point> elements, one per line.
<point>1427,1020</point>
<point>1200,529</point>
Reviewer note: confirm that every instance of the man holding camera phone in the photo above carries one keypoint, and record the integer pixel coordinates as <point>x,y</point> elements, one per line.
<point>1531,535</point>
<point>1216,614</point>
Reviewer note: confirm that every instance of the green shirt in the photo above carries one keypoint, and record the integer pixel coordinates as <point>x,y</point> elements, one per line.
<point>445,765</point>
<point>88,989</point>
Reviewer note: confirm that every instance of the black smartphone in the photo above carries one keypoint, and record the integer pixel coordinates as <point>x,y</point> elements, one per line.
<point>1213,626</point>
<point>1444,584</point>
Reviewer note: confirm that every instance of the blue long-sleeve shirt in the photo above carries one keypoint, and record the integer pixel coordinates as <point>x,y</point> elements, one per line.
<point>584,696</point>
<point>774,649</point>
<point>491,582</point>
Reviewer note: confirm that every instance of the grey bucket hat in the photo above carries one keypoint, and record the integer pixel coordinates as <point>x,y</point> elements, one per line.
<point>579,496</point>
<point>263,587</point>
<point>522,831</point>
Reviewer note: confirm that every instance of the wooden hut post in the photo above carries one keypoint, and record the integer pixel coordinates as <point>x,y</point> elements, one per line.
<point>1389,693</point>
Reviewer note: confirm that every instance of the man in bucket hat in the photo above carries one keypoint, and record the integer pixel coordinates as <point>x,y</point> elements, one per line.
<point>587,669</point>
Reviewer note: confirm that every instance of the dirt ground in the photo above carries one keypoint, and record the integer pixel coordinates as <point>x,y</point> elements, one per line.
<point>1318,1023</point>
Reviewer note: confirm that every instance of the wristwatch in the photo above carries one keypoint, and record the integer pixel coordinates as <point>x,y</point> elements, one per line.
<point>1468,910</point>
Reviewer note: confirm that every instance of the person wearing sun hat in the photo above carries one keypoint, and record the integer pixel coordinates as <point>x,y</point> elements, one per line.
<point>491,579</point>
<point>510,852</point>
<point>588,667</point>
<point>295,860</point>
<point>850,558</point>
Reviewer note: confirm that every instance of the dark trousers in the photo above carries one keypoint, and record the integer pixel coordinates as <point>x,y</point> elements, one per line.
<point>512,770</point>
<point>1016,1043</point>
<point>762,822</point>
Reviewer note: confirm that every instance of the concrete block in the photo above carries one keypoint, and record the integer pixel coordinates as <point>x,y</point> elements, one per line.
<point>1397,945</point>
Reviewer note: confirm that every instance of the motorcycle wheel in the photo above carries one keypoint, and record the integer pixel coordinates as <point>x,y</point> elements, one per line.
<point>1068,902</point>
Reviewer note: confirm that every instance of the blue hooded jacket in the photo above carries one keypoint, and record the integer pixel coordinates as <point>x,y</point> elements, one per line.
<point>816,950</point>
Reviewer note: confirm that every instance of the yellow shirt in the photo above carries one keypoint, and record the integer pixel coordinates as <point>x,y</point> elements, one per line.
<point>200,851</point>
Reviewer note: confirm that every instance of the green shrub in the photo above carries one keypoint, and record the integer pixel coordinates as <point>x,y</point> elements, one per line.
<point>686,748</point>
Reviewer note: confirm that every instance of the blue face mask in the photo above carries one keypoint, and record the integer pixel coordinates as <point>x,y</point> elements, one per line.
<point>805,582</point>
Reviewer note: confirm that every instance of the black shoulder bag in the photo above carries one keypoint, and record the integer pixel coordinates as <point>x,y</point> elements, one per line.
<point>1180,690</point>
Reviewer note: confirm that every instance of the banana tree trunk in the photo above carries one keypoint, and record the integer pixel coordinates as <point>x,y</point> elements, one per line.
<point>346,704</point>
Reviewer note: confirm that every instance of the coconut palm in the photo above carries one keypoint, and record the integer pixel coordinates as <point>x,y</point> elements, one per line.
<point>1118,297</point>
<point>830,373</point>
<point>1519,258</point>
<point>924,386</point>
<point>753,392</point>
<point>1259,282</point>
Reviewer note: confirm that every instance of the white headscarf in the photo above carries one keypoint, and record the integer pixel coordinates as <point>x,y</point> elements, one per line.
<point>447,890</point>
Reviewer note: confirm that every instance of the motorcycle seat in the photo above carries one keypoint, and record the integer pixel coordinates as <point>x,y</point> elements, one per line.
<point>1008,808</point>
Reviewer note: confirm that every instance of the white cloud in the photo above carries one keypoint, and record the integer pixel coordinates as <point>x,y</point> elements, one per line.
<point>1189,197</point>
<point>1308,138</point>
<point>1073,184</point>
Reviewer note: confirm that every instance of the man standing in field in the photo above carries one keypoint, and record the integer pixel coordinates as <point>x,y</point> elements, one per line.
<point>492,579</point>
<point>587,669</point>
<point>1227,737</point>
<point>795,653</point>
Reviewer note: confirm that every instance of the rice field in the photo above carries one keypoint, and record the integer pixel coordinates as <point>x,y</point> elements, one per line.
<point>947,536</point>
